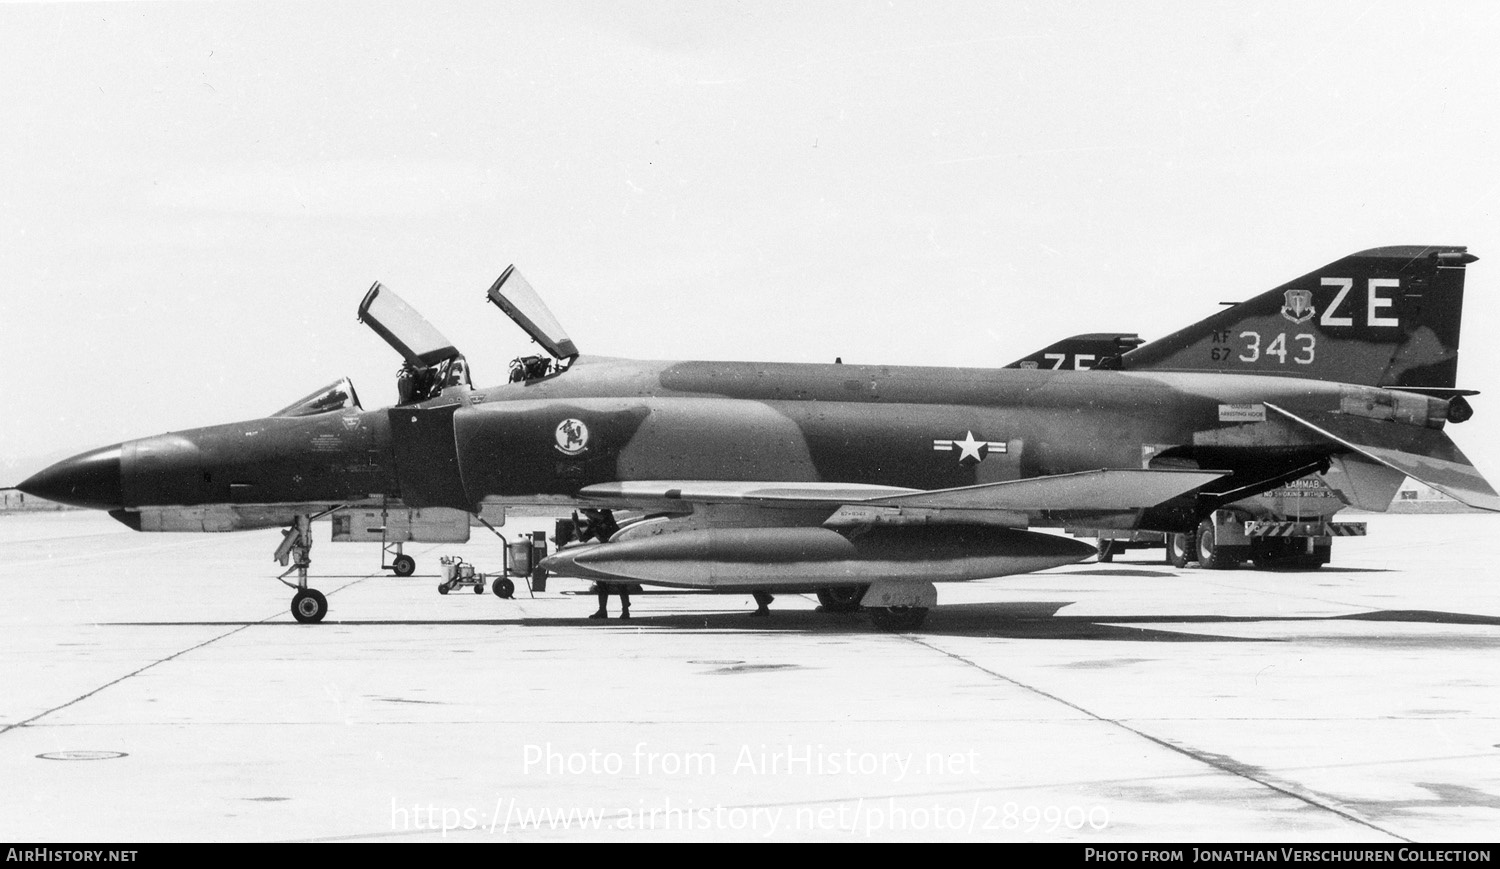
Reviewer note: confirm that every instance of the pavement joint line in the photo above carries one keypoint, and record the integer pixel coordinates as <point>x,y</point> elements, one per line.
<point>1193,754</point>
<point>86,695</point>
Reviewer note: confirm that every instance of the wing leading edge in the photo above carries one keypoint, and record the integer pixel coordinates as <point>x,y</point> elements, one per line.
<point>1117,489</point>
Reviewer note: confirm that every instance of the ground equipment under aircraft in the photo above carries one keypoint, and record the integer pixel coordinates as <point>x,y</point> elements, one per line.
<point>845,480</point>
<point>1288,527</point>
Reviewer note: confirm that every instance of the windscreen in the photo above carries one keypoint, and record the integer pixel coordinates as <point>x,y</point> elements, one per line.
<point>338,395</point>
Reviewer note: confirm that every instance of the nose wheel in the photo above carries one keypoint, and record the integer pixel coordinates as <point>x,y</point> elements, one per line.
<point>309,606</point>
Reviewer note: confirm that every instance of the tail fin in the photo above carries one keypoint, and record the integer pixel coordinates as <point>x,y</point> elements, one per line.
<point>1382,317</point>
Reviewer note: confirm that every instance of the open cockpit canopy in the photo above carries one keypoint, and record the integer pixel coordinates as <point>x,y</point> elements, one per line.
<point>433,364</point>
<point>513,295</point>
<point>418,342</point>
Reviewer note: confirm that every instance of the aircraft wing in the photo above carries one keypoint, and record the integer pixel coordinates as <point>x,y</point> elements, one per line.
<point>736,492</point>
<point>1123,489</point>
<point>1424,454</point>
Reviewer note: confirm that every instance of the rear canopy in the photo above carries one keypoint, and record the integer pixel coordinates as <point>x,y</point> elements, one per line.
<point>513,295</point>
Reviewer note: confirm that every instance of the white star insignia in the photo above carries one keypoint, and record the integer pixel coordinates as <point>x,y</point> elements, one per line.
<point>970,447</point>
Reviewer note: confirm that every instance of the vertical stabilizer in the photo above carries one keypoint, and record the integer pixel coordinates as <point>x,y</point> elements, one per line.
<point>1383,317</point>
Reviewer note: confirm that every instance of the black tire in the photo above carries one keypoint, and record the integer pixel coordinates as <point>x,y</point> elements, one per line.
<point>503,588</point>
<point>841,598</point>
<point>1209,554</point>
<point>309,606</point>
<point>1106,551</point>
<point>404,565</point>
<point>1284,553</point>
<point>1181,548</point>
<point>898,618</point>
<point>479,589</point>
<point>442,588</point>
<point>1272,553</point>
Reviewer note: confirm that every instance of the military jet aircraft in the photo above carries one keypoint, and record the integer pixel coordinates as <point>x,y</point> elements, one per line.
<point>864,483</point>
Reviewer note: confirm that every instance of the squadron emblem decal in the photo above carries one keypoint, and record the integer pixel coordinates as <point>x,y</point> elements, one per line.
<point>572,437</point>
<point>1299,307</point>
<point>969,448</point>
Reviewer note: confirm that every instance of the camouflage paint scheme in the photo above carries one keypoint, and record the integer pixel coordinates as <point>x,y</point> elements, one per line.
<point>1351,364</point>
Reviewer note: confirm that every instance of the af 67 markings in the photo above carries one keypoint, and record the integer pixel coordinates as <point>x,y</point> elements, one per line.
<point>1298,347</point>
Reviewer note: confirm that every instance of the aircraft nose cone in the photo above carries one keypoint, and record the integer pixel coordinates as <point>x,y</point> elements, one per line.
<point>91,479</point>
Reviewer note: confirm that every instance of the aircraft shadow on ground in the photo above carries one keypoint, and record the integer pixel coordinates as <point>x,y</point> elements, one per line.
<point>1037,620</point>
<point>1163,571</point>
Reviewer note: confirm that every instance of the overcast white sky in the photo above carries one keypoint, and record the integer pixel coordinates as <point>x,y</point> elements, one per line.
<point>195,196</point>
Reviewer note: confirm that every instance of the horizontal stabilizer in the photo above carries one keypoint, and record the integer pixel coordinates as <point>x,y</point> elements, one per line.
<point>1426,455</point>
<point>1125,489</point>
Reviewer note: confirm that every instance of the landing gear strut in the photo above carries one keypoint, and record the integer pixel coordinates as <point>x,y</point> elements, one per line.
<point>295,553</point>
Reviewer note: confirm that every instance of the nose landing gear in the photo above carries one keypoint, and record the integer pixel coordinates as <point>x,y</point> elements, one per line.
<point>309,606</point>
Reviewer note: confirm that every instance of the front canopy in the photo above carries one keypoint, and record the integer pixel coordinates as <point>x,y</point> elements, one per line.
<point>418,342</point>
<point>338,395</point>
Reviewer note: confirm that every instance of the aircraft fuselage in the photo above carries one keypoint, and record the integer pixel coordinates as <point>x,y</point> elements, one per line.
<point>608,420</point>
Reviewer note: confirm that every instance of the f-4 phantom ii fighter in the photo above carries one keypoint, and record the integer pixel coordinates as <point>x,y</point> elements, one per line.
<point>864,483</point>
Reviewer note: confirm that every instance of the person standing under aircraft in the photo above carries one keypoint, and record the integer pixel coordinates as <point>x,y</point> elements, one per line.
<point>603,589</point>
<point>600,525</point>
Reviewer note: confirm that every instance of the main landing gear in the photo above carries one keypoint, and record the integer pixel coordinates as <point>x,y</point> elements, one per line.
<point>841,598</point>
<point>308,604</point>
<point>899,606</point>
<point>403,565</point>
<point>898,618</point>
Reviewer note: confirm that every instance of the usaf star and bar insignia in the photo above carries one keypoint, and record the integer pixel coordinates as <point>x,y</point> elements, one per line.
<point>969,448</point>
